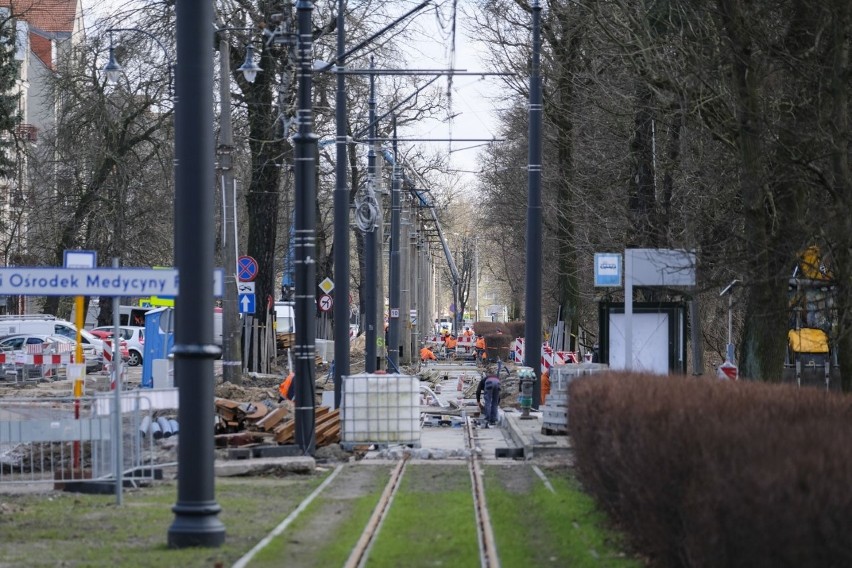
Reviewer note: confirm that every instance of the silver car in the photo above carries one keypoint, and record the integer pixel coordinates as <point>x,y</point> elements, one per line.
<point>135,338</point>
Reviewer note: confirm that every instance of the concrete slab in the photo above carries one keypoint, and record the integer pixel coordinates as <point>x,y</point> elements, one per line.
<point>258,466</point>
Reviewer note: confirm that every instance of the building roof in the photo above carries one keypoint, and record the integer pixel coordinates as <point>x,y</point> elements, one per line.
<point>51,16</point>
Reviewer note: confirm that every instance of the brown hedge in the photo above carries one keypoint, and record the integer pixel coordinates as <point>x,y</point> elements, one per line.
<point>701,472</point>
<point>513,328</point>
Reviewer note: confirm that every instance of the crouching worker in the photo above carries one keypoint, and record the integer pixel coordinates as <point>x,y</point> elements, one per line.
<point>426,354</point>
<point>285,389</point>
<point>490,385</point>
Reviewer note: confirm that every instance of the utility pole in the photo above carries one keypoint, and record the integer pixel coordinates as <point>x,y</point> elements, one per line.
<point>341,221</point>
<point>305,149</point>
<point>394,275</point>
<point>371,259</point>
<point>196,522</point>
<point>532,327</point>
<point>232,360</point>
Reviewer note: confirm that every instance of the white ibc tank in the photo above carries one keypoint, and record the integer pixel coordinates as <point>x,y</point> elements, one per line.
<point>381,409</point>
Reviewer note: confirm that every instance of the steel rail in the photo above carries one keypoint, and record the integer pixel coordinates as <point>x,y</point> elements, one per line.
<point>485,532</point>
<point>359,555</point>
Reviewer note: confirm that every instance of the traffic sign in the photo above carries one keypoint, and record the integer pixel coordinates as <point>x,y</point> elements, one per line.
<point>246,303</point>
<point>325,302</point>
<point>245,288</point>
<point>80,258</point>
<point>394,313</point>
<point>246,268</point>
<point>327,285</point>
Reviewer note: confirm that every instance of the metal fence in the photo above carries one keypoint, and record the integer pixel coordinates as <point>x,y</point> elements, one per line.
<point>59,440</point>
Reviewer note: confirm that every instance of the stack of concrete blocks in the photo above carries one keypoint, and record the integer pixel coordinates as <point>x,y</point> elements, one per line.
<point>555,407</point>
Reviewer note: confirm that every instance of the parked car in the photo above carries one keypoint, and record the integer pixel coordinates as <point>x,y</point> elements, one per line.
<point>123,347</point>
<point>54,343</point>
<point>133,337</point>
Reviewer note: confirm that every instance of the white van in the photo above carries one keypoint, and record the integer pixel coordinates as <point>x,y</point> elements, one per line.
<point>42,324</point>
<point>285,318</point>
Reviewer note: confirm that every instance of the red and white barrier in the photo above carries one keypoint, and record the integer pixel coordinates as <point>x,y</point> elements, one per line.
<point>549,357</point>
<point>22,358</point>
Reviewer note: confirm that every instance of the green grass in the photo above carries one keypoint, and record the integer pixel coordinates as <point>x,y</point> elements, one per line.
<point>539,528</point>
<point>337,540</point>
<point>67,529</point>
<point>431,522</point>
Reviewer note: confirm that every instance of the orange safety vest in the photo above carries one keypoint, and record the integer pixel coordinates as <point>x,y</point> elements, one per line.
<point>426,354</point>
<point>284,387</point>
<point>480,343</point>
<point>451,342</point>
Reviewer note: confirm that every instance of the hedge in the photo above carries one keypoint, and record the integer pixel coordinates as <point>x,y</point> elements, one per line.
<point>701,472</point>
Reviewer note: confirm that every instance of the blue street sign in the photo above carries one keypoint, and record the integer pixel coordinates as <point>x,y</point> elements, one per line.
<point>246,303</point>
<point>246,269</point>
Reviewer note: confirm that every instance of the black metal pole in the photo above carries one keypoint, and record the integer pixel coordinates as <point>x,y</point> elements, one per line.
<point>371,282</point>
<point>196,521</point>
<point>394,276</point>
<point>305,149</point>
<point>532,327</point>
<point>341,222</point>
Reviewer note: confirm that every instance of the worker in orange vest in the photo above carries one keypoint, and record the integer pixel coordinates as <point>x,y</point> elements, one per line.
<point>285,389</point>
<point>545,385</point>
<point>480,347</point>
<point>426,354</point>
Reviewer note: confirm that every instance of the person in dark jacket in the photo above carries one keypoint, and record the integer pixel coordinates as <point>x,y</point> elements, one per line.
<point>490,385</point>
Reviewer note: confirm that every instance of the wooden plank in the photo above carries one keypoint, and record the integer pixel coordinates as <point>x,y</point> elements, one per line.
<point>269,421</point>
<point>287,433</point>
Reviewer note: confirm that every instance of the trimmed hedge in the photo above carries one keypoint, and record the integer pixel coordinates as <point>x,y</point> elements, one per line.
<point>702,472</point>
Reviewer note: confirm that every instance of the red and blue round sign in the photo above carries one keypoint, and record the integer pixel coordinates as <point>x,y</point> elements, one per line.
<point>246,269</point>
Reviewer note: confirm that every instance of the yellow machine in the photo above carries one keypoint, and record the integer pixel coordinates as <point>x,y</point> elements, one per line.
<point>809,349</point>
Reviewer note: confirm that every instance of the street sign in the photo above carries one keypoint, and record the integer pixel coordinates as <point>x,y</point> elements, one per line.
<point>245,288</point>
<point>80,259</point>
<point>327,285</point>
<point>246,303</point>
<point>23,281</point>
<point>246,269</point>
<point>325,302</point>
<point>608,269</point>
<point>394,313</point>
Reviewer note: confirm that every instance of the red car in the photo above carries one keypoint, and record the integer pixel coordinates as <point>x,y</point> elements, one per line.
<point>107,335</point>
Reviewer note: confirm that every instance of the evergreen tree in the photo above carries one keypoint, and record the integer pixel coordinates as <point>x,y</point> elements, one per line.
<point>10,115</point>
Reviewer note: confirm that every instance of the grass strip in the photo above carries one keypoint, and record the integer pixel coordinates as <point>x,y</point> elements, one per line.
<point>69,529</point>
<point>431,521</point>
<point>536,527</point>
<point>327,530</point>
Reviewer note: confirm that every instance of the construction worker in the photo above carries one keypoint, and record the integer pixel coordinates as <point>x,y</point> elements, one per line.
<point>285,389</point>
<point>545,385</point>
<point>480,347</point>
<point>490,385</point>
<point>426,354</point>
<point>451,342</point>
<point>468,334</point>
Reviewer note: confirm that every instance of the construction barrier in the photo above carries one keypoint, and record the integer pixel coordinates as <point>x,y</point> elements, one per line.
<point>549,357</point>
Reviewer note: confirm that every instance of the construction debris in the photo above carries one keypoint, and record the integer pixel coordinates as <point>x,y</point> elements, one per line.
<point>246,424</point>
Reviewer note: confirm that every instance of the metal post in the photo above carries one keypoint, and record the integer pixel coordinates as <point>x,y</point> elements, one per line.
<point>232,354</point>
<point>370,245</point>
<point>341,222</point>
<point>116,370</point>
<point>393,263</point>
<point>305,149</point>
<point>532,327</point>
<point>196,521</point>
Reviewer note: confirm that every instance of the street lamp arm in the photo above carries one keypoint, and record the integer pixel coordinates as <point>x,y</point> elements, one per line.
<point>147,34</point>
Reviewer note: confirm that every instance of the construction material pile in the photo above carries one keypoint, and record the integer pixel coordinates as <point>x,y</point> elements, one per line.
<point>246,424</point>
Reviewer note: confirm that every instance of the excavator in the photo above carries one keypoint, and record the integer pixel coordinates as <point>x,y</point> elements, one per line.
<point>810,356</point>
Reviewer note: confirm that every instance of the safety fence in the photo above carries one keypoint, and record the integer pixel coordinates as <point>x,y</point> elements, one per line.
<point>51,440</point>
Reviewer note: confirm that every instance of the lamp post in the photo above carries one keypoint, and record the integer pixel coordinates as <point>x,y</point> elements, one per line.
<point>231,353</point>
<point>393,262</point>
<point>341,220</point>
<point>196,521</point>
<point>532,326</point>
<point>305,149</point>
